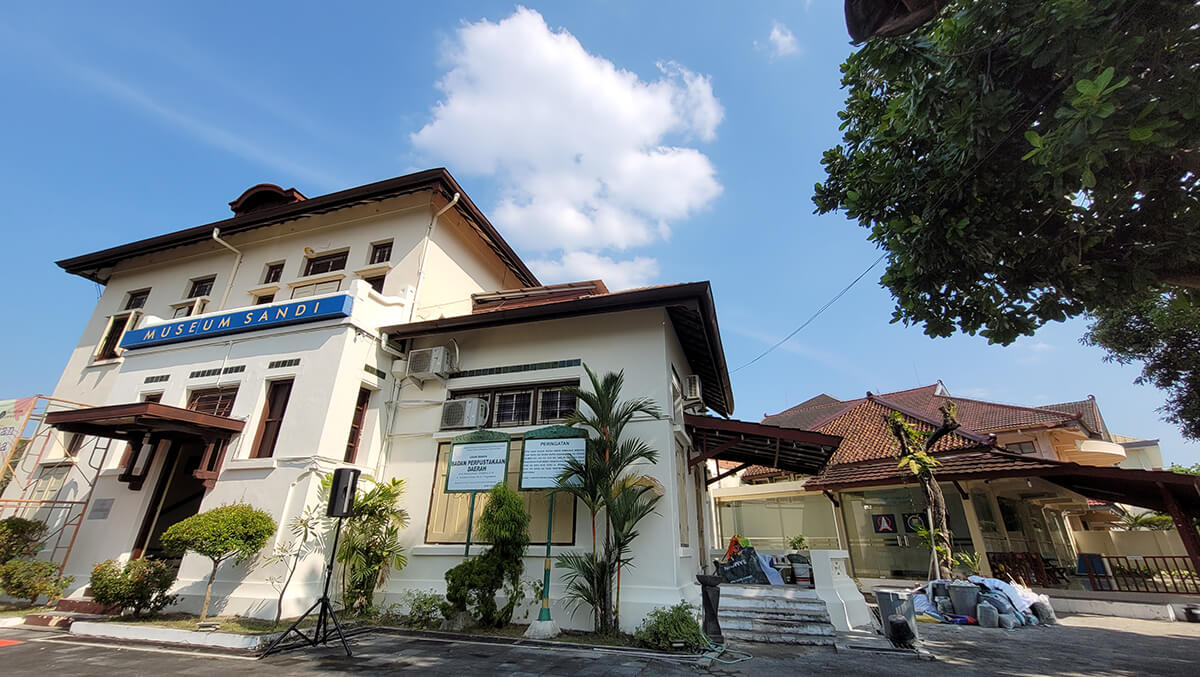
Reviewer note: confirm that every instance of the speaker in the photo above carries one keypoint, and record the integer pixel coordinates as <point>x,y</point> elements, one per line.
<point>341,492</point>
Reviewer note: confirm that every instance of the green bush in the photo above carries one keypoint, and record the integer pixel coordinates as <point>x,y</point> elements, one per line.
<point>424,609</point>
<point>472,585</point>
<point>236,532</point>
<point>140,585</point>
<point>32,578</point>
<point>664,626</point>
<point>797,542</point>
<point>20,537</point>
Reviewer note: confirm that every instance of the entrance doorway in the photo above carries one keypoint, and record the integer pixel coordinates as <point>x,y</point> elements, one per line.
<point>177,496</point>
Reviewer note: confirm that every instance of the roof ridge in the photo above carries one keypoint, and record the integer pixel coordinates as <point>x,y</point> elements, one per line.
<point>960,430</point>
<point>850,406</point>
<point>909,390</point>
<point>1008,406</point>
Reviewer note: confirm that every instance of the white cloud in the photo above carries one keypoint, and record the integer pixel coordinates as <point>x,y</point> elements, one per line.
<point>591,159</point>
<point>636,272</point>
<point>782,42</point>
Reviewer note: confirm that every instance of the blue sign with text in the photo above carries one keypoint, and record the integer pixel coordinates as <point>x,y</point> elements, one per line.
<point>246,319</point>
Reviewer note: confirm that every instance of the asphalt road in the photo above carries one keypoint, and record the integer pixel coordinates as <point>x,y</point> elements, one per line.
<point>1081,645</point>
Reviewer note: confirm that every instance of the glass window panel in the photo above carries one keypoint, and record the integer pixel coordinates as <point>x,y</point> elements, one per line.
<point>513,408</point>
<point>554,405</point>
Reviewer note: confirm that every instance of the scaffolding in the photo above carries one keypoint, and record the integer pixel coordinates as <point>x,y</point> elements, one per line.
<point>47,480</point>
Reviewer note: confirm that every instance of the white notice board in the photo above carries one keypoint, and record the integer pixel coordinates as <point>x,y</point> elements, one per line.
<point>543,460</point>
<point>477,467</point>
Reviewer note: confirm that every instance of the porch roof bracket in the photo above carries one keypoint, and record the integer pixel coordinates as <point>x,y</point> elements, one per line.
<point>725,474</point>
<point>706,453</point>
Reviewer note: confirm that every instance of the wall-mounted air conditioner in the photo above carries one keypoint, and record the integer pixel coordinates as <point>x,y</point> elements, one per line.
<point>431,363</point>
<point>691,388</point>
<point>468,412</point>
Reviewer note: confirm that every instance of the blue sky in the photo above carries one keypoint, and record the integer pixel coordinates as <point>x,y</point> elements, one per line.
<point>640,142</point>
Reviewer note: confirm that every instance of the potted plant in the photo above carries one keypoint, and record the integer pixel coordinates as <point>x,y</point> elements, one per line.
<point>797,543</point>
<point>801,565</point>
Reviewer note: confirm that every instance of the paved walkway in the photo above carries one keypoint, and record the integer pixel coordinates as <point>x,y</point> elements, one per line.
<point>1082,645</point>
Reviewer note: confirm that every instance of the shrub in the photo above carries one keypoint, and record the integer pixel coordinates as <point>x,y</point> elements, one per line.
<point>32,578</point>
<point>797,542</point>
<point>141,585</point>
<point>370,548</point>
<point>236,532</point>
<point>424,609</point>
<point>472,585</point>
<point>664,626</point>
<point>19,538</point>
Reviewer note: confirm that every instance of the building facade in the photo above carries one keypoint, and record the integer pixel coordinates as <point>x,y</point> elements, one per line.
<point>244,360</point>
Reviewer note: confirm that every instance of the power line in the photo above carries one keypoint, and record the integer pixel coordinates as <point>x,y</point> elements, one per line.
<point>815,315</point>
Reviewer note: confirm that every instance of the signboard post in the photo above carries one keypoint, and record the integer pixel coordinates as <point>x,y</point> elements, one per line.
<point>545,455</point>
<point>478,461</point>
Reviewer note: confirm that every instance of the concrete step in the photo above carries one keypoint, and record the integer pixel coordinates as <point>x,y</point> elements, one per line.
<point>775,606</point>
<point>779,626</point>
<point>778,638</point>
<point>60,619</point>
<point>769,592</point>
<point>85,606</point>
<point>774,615</point>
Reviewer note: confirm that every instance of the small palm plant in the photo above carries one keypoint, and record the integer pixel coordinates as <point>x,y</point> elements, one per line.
<point>370,542</point>
<point>607,483</point>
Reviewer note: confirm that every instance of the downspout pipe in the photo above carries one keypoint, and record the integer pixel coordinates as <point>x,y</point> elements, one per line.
<point>237,263</point>
<point>412,312</point>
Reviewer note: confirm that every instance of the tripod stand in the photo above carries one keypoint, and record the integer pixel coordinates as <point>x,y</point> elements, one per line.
<point>320,633</point>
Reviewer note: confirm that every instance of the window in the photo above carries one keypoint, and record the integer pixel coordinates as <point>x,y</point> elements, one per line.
<point>681,488</point>
<point>513,406</point>
<point>1021,447</point>
<point>152,397</point>
<point>676,397</point>
<point>109,347</point>
<point>356,424</point>
<point>201,287</point>
<point>325,264</point>
<point>264,299</point>
<point>274,272</point>
<point>554,405</point>
<point>381,252</point>
<point>376,282</point>
<point>49,482</point>
<point>74,445</point>
<point>194,307</point>
<point>448,512</point>
<point>316,288</point>
<point>137,299</point>
<point>215,401</point>
<point>272,418</point>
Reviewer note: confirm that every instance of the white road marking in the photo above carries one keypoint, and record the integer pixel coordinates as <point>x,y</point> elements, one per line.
<point>148,649</point>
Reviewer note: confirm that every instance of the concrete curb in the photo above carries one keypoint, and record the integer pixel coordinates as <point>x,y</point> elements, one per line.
<point>12,621</point>
<point>158,635</point>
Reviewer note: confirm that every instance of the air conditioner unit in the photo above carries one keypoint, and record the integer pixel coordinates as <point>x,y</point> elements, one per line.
<point>469,412</point>
<point>691,388</point>
<point>431,363</point>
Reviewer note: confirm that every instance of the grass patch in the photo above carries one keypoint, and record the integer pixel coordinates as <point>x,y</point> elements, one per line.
<point>570,636</point>
<point>239,625</point>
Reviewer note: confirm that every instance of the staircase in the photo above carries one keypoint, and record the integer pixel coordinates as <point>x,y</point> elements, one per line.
<point>776,614</point>
<point>67,611</point>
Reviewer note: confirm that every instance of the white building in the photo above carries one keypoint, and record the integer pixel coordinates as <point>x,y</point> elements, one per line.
<point>243,359</point>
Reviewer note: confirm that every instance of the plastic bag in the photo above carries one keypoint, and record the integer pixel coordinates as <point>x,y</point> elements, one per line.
<point>1007,621</point>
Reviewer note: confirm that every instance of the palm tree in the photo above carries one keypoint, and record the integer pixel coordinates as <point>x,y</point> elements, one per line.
<point>606,483</point>
<point>370,544</point>
<point>1154,521</point>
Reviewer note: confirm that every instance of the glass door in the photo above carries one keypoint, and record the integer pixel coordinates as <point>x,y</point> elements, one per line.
<point>881,530</point>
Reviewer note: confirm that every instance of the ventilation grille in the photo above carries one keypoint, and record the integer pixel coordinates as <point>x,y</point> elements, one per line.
<point>375,372</point>
<point>517,368</point>
<point>217,372</point>
<point>280,364</point>
<point>161,378</point>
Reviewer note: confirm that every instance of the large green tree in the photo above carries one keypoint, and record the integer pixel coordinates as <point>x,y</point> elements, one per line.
<point>1027,161</point>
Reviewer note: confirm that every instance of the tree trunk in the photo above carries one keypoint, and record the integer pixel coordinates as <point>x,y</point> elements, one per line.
<point>208,590</point>
<point>939,529</point>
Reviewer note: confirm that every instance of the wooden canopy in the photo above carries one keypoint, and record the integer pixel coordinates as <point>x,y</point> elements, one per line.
<point>799,451</point>
<point>132,422</point>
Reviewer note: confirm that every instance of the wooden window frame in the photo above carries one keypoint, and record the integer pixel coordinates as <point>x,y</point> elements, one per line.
<point>378,255</point>
<point>313,286</point>
<point>356,424</point>
<point>490,394</point>
<point>261,447</point>
<point>337,259</point>
<point>222,408</point>
<point>201,286</point>
<point>494,410</point>
<point>264,299</point>
<point>274,272</point>
<point>136,300</point>
<point>538,411</point>
<point>109,347</point>
<point>536,535</point>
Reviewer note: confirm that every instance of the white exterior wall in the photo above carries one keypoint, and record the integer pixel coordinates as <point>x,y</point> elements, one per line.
<point>634,341</point>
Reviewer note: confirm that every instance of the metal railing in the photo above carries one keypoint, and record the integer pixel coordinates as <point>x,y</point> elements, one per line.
<point>1028,568</point>
<point>1148,573</point>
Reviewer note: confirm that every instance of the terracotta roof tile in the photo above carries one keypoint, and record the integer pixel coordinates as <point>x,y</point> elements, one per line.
<point>865,434</point>
<point>1087,410</point>
<point>957,464</point>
